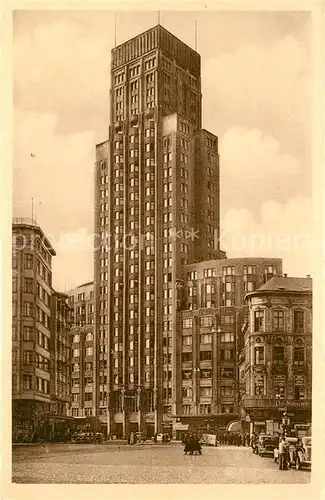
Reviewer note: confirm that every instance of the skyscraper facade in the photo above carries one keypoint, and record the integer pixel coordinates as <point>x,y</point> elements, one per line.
<point>156,211</point>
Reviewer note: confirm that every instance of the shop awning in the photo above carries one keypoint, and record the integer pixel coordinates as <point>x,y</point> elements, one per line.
<point>234,426</point>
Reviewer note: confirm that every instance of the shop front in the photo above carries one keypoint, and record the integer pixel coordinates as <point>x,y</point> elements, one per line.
<point>201,424</point>
<point>277,416</point>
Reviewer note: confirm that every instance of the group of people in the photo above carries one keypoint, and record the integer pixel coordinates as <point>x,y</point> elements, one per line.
<point>238,439</point>
<point>284,457</point>
<point>192,444</point>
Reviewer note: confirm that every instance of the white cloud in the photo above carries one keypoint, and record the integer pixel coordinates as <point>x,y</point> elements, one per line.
<point>281,230</point>
<point>60,178</point>
<point>252,168</point>
<point>61,70</point>
<point>265,86</point>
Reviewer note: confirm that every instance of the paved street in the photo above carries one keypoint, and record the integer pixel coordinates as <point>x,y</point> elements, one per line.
<point>98,464</point>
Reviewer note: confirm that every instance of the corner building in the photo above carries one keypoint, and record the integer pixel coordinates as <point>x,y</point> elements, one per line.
<point>276,365</point>
<point>156,211</point>
<point>33,370</point>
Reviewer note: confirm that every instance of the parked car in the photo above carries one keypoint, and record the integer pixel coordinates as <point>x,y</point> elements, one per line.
<point>266,445</point>
<point>303,453</point>
<point>88,437</point>
<point>292,450</point>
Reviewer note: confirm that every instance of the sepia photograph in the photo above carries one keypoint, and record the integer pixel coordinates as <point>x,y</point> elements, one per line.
<point>163,248</point>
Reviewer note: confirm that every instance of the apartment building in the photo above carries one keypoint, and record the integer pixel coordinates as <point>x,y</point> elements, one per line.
<point>83,360</point>
<point>60,367</point>
<point>276,361</point>
<point>32,256</point>
<point>212,318</point>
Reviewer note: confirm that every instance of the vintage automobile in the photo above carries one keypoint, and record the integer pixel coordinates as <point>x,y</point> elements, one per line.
<point>88,437</point>
<point>266,445</point>
<point>291,445</point>
<point>303,453</point>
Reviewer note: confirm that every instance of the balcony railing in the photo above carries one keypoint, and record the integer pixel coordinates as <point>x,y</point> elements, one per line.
<point>25,220</point>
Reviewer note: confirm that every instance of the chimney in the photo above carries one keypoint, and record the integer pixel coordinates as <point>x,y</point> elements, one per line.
<point>285,275</point>
<point>307,275</point>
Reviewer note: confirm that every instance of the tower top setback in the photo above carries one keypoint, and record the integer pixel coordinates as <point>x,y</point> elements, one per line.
<point>153,39</point>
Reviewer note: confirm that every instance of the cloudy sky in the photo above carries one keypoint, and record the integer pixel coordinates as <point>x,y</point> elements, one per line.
<point>256,98</point>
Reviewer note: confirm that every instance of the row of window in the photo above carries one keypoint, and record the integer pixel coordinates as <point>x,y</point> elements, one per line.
<point>88,352</point>
<point>205,409</point>
<point>187,392</point>
<point>43,272</point>
<point>279,386</point>
<point>76,338</point>
<point>225,354</point>
<point>279,354</point>
<point>278,320</point>
<point>42,385</point>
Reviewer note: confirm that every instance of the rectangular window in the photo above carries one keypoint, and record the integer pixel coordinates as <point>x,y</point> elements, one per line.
<point>298,355</point>
<point>28,261</point>
<point>205,355</point>
<point>278,354</point>
<point>206,339</point>
<point>187,323</point>
<point>28,309</point>
<point>28,333</point>
<point>28,357</point>
<point>227,391</point>
<point>186,357</point>
<point>205,409</point>
<point>205,392</point>
<point>227,337</point>
<point>187,340</point>
<point>227,409</point>
<point>258,320</point>
<point>259,382</point>
<point>259,355</point>
<point>227,373</point>
<point>227,354</point>
<point>278,319</point>
<point>279,387</point>
<point>27,382</point>
<point>89,351</point>
<point>206,321</point>
<point>298,321</point>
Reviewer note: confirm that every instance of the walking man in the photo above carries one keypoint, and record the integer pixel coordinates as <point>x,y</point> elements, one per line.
<point>282,454</point>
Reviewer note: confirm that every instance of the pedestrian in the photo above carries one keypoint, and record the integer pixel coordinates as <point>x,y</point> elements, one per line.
<point>282,454</point>
<point>187,444</point>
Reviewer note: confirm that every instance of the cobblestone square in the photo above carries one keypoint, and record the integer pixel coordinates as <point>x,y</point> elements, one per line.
<point>146,464</point>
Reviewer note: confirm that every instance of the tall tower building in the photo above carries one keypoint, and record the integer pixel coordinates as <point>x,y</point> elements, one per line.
<point>156,211</point>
